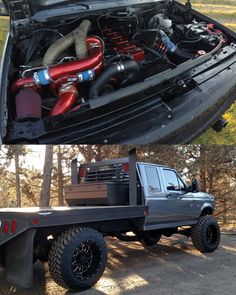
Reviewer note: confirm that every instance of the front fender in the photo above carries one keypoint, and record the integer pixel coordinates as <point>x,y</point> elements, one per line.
<point>207,205</point>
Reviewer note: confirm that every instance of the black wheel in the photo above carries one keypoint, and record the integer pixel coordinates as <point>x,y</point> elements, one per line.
<point>206,234</point>
<point>78,258</point>
<point>150,238</point>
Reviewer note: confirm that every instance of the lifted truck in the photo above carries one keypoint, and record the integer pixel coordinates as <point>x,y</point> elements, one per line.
<point>106,198</point>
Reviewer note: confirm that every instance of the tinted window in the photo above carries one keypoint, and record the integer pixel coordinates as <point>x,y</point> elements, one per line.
<point>153,179</point>
<point>172,181</point>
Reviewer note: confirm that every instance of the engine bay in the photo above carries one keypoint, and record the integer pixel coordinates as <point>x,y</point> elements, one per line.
<point>61,67</point>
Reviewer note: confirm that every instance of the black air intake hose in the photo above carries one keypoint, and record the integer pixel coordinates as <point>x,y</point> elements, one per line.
<point>182,56</point>
<point>178,54</point>
<point>129,66</point>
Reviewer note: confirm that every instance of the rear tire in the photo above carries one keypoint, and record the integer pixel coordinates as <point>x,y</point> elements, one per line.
<point>150,238</point>
<point>78,258</point>
<point>206,234</point>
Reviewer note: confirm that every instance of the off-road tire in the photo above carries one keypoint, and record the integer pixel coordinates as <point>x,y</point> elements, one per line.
<point>205,234</point>
<point>150,238</point>
<point>68,255</point>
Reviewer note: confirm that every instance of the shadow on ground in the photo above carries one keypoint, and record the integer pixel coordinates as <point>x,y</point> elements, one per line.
<point>172,267</point>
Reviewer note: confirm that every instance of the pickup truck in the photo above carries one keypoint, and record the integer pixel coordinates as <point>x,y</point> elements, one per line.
<point>122,198</point>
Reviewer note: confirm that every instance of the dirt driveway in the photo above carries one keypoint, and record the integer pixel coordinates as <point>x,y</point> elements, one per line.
<point>171,267</point>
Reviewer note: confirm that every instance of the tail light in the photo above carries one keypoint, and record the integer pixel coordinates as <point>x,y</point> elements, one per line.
<point>5,227</point>
<point>9,227</point>
<point>126,167</point>
<point>13,227</point>
<point>82,172</point>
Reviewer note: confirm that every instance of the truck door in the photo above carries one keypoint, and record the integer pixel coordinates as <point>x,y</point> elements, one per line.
<point>153,194</point>
<point>179,202</point>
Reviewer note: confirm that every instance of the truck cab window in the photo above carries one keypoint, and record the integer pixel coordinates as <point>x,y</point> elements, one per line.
<point>182,186</point>
<point>173,182</point>
<point>152,179</point>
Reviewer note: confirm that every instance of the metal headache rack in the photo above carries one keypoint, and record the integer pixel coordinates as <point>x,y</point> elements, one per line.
<point>101,183</point>
<point>117,173</point>
<point>110,182</point>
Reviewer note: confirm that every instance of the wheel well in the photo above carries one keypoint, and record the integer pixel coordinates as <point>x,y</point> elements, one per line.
<point>207,211</point>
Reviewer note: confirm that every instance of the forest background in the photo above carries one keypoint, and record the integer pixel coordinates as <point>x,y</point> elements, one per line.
<point>37,175</point>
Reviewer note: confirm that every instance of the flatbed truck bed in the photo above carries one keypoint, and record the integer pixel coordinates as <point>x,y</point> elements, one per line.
<point>36,218</point>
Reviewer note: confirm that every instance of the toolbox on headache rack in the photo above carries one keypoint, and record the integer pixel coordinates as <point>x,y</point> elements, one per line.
<point>101,183</point>
<point>103,193</point>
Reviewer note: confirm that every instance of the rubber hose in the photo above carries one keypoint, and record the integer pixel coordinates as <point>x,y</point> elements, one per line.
<point>80,36</point>
<point>58,48</point>
<point>193,41</point>
<point>119,56</point>
<point>182,56</point>
<point>112,70</point>
<point>65,42</point>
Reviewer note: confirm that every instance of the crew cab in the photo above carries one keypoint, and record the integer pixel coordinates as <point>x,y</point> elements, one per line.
<point>106,198</point>
<point>133,71</point>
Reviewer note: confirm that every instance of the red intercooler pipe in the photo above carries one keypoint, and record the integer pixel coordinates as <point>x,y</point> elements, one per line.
<point>67,92</point>
<point>48,76</point>
<point>67,96</point>
<point>70,78</point>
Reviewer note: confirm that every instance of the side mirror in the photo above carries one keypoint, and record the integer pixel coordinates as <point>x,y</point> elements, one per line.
<point>195,186</point>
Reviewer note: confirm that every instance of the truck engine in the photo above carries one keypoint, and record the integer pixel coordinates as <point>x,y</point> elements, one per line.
<point>60,68</point>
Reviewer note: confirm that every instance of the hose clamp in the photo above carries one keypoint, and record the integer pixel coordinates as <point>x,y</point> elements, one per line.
<point>42,77</point>
<point>120,67</point>
<point>36,78</point>
<point>88,75</point>
<point>94,45</point>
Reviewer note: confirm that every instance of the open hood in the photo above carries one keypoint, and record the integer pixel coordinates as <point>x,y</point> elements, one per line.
<point>41,10</point>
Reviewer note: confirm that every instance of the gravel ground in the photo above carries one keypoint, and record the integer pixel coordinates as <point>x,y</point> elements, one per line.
<point>171,267</point>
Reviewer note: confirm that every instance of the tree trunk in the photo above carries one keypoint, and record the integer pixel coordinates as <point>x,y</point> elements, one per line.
<point>211,182</point>
<point>99,153</point>
<point>225,210</point>
<point>60,177</point>
<point>203,179</point>
<point>17,173</point>
<point>47,177</point>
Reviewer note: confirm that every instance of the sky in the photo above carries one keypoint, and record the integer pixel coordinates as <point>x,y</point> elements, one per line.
<point>33,160</point>
<point>36,158</point>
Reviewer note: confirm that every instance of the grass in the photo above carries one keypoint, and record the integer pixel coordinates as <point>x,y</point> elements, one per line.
<point>4,24</point>
<point>225,12</point>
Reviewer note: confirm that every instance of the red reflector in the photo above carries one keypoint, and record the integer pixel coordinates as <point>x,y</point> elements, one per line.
<point>126,167</point>
<point>82,172</point>
<point>13,226</point>
<point>35,221</point>
<point>5,227</point>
